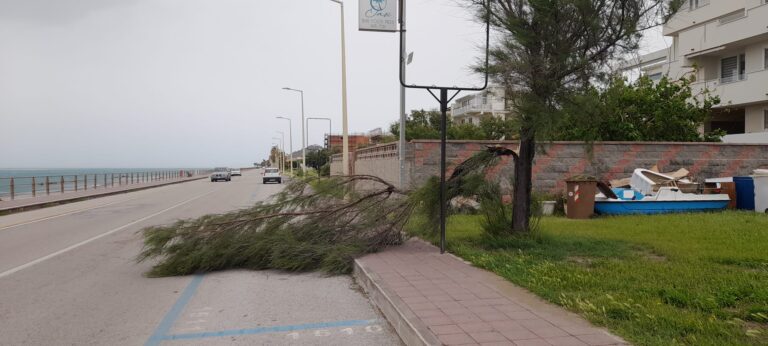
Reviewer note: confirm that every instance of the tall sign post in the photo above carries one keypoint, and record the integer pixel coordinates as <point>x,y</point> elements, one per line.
<point>381,15</point>
<point>444,100</point>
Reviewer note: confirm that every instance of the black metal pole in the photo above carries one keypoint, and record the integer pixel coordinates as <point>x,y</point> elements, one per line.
<point>443,135</point>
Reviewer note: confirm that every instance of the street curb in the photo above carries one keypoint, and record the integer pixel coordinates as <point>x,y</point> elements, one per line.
<point>394,310</point>
<point>18,209</point>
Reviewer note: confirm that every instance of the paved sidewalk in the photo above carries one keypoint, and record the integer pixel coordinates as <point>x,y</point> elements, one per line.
<point>439,299</point>
<point>42,200</point>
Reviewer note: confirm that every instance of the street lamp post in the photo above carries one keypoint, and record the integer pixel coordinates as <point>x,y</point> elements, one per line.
<point>344,127</point>
<point>290,140</point>
<point>303,132</point>
<point>330,124</point>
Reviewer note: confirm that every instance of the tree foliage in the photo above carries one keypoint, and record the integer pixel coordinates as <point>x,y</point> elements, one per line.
<point>313,224</point>
<point>548,49</point>
<point>641,111</point>
<point>421,124</point>
<point>317,224</point>
<point>318,158</point>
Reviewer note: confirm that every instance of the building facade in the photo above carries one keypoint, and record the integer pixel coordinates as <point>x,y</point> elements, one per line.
<point>724,45</point>
<point>471,108</point>
<point>355,141</point>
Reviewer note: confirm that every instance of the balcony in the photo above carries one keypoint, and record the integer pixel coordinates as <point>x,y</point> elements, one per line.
<point>724,32</point>
<point>473,109</point>
<point>740,89</point>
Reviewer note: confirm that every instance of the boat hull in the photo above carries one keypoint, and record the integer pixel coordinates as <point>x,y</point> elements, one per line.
<point>614,207</point>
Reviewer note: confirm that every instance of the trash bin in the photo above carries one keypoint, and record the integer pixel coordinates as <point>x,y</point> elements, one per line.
<point>580,198</point>
<point>760,179</point>
<point>745,193</point>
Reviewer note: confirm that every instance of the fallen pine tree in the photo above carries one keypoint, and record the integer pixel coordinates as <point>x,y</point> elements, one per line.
<point>316,224</point>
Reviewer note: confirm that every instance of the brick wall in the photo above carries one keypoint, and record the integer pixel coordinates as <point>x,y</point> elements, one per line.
<point>556,161</point>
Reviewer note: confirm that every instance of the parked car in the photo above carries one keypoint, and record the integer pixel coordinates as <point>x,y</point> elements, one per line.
<point>272,174</point>
<point>236,172</point>
<point>221,173</point>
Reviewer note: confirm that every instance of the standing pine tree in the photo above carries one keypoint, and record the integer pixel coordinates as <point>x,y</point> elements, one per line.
<point>546,49</point>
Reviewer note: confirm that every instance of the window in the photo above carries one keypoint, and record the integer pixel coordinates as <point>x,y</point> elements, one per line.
<point>694,4</point>
<point>765,55</point>
<point>656,76</point>
<point>732,69</point>
<point>765,119</point>
<point>733,16</point>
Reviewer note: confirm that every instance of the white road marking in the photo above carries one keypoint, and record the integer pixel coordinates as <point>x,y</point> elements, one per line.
<point>72,247</point>
<point>63,214</point>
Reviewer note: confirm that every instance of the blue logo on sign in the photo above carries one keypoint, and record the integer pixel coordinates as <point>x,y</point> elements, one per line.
<point>377,9</point>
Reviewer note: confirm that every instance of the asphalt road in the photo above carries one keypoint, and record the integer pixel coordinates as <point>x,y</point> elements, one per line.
<point>68,276</point>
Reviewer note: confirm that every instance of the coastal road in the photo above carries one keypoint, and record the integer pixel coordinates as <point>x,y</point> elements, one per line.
<point>68,276</point>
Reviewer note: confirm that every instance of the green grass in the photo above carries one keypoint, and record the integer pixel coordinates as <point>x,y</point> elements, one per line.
<point>693,279</point>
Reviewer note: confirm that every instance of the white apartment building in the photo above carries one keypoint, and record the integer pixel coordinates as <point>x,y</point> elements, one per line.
<point>725,44</point>
<point>471,108</point>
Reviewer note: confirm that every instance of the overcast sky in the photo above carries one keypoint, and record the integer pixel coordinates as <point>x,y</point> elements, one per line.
<point>197,83</point>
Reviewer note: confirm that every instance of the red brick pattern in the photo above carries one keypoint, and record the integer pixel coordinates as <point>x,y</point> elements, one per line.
<point>463,305</point>
<point>733,167</point>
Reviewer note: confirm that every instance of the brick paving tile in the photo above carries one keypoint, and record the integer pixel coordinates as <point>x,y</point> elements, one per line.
<point>463,297</point>
<point>601,339</point>
<point>504,326</point>
<point>493,316</point>
<point>550,332</point>
<point>422,306</point>
<point>440,298</point>
<point>429,313</point>
<point>535,324</point>
<point>532,342</point>
<point>476,302</point>
<point>522,334</point>
<point>418,299</point>
<point>397,284</point>
<point>521,315</point>
<point>509,307</point>
<point>456,339</point>
<point>465,318</point>
<point>473,327</point>
<point>437,321</point>
<point>456,311</point>
<point>458,304</point>
<point>576,331</point>
<point>446,329</point>
<point>487,336</point>
<point>448,305</point>
<point>565,341</point>
<point>498,343</point>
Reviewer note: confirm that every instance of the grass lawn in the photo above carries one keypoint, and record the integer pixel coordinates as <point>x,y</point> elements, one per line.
<point>692,279</point>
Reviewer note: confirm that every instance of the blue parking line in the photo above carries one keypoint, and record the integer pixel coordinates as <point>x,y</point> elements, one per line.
<point>265,330</point>
<point>170,318</point>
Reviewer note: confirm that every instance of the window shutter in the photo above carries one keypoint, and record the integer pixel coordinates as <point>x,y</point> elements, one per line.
<point>765,119</point>
<point>728,67</point>
<point>765,53</point>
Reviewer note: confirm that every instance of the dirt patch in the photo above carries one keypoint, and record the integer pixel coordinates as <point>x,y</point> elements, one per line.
<point>651,256</point>
<point>581,260</point>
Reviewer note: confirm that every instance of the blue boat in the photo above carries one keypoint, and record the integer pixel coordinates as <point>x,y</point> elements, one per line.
<point>656,200</point>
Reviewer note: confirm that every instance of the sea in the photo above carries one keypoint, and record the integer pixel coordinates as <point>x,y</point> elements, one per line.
<point>22,178</point>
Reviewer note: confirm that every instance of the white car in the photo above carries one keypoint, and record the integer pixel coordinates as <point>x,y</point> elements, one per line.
<point>236,172</point>
<point>221,173</point>
<point>272,174</point>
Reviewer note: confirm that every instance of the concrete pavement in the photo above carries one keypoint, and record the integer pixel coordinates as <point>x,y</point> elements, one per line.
<point>68,277</point>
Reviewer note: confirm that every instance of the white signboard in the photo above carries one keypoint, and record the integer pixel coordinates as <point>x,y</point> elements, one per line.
<point>378,15</point>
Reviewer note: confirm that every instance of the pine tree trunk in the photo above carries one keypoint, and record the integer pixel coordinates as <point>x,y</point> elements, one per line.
<point>521,203</point>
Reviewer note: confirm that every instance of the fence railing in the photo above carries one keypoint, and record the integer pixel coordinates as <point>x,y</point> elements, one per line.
<point>377,152</point>
<point>31,186</point>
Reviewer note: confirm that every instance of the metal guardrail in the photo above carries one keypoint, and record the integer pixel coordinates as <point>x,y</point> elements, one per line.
<point>377,152</point>
<point>31,186</point>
